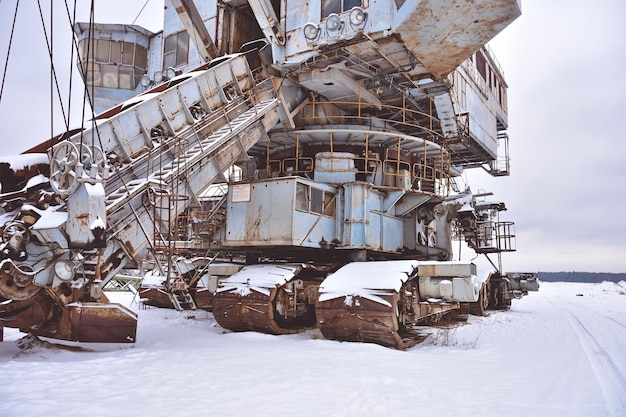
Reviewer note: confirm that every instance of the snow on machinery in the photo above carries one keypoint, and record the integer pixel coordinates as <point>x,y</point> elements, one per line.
<point>103,206</point>
<point>347,132</point>
<point>394,109</point>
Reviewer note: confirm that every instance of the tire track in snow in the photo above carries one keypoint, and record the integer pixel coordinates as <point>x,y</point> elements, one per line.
<point>606,317</point>
<point>610,379</point>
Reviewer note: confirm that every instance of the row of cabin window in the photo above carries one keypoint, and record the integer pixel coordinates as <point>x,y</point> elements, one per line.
<point>114,52</point>
<point>338,6</point>
<point>314,200</point>
<point>175,48</point>
<point>113,76</point>
<point>489,75</point>
<point>117,64</point>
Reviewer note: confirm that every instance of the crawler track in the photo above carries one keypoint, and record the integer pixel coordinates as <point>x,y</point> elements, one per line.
<point>276,299</point>
<point>366,321</point>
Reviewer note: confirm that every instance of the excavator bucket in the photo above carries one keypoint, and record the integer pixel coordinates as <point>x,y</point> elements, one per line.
<point>102,323</point>
<point>79,324</point>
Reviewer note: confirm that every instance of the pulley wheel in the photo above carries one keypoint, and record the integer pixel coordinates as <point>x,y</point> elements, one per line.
<point>65,168</point>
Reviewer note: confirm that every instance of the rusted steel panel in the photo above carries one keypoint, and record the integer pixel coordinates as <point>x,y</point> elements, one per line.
<point>363,321</point>
<point>203,298</point>
<point>156,297</point>
<point>444,33</point>
<point>252,312</point>
<point>428,310</point>
<point>16,171</point>
<point>80,322</point>
<point>101,323</point>
<point>275,299</point>
<point>24,314</point>
<point>86,322</point>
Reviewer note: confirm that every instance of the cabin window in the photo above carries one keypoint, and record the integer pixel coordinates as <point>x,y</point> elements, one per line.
<point>317,201</point>
<point>329,204</point>
<point>338,6</point>
<point>126,78</point>
<point>127,54</point>
<point>116,52</point>
<point>110,76</point>
<point>112,64</point>
<point>302,197</point>
<point>141,58</point>
<point>176,50</point>
<point>103,49</point>
<point>93,76</point>
<point>481,65</point>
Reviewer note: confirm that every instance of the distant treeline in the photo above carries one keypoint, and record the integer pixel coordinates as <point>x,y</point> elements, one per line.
<point>581,276</point>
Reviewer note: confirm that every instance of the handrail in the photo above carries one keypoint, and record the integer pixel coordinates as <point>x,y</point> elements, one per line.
<point>432,120</point>
<point>437,172</point>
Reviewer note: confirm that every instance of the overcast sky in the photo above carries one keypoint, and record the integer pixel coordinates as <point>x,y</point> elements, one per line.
<point>564,61</point>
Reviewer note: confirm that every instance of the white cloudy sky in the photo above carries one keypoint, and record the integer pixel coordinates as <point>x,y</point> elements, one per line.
<point>564,62</point>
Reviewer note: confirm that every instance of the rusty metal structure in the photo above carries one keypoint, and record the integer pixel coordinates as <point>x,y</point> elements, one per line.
<point>337,130</point>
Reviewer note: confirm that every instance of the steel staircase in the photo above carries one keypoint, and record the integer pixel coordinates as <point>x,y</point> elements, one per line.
<point>187,154</point>
<point>181,297</point>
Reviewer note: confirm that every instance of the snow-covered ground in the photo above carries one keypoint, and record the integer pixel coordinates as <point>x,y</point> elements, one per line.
<point>558,352</point>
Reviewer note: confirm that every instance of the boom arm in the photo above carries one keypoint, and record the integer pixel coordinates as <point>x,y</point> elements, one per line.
<point>167,146</point>
<point>194,25</point>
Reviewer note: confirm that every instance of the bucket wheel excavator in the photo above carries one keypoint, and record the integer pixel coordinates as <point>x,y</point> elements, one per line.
<point>344,126</point>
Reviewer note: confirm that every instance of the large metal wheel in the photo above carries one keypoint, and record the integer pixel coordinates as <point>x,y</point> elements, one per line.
<point>65,168</point>
<point>16,282</point>
<point>94,161</point>
<point>15,229</point>
<point>479,308</point>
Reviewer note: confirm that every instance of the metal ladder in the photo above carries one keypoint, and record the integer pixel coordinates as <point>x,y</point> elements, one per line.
<point>181,298</point>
